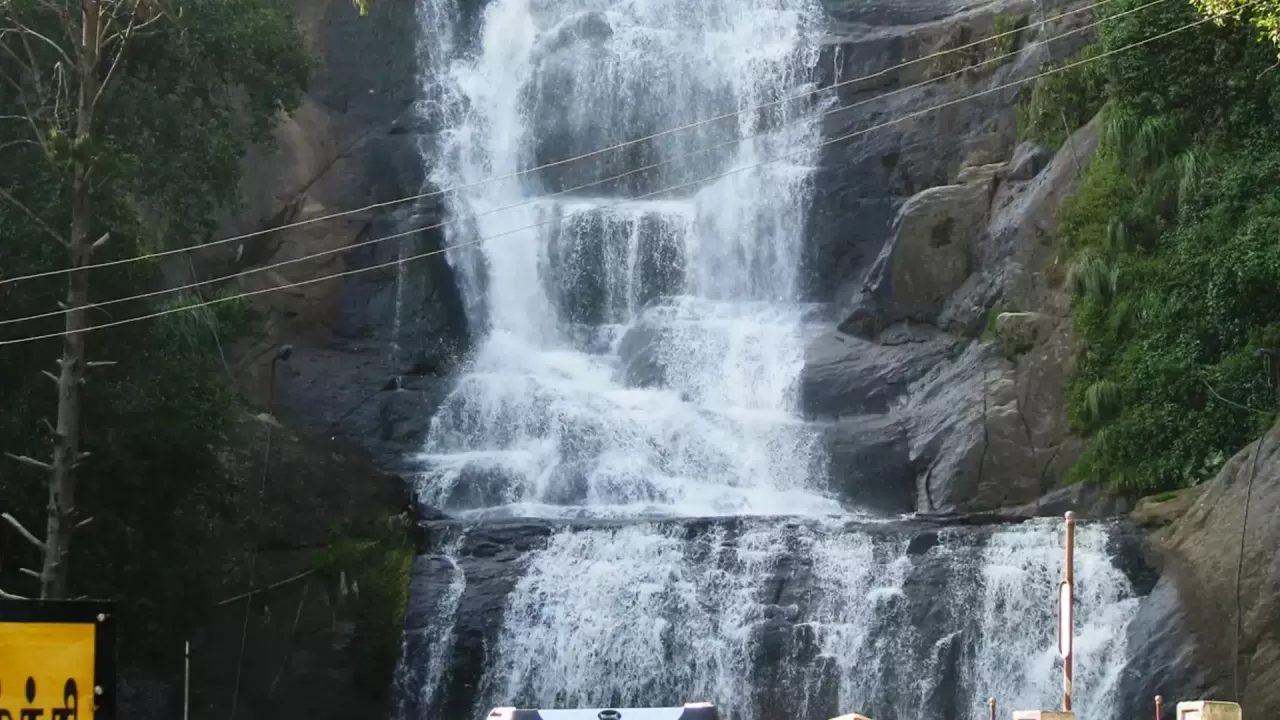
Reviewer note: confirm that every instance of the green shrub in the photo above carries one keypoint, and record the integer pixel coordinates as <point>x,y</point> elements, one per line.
<point>1057,104</point>
<point>367,573</point>
<point>1173,243</point>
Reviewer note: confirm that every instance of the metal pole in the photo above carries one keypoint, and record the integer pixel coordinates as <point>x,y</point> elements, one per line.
<point>992,704</point>
<point>1067,608</point>
<point>1159,707</point>
<point>282,354</point>
<point>186,682</point>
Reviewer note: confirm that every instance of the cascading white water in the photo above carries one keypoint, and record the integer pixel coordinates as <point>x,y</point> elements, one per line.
<point>703,280</point>
<point>435,639</point>
<point>638,616</point>
<point>637,358</point>
<point>1020,659</point>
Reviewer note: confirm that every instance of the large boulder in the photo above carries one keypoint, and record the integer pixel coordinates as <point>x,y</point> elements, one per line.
<point>969,435</point>
<point>1163,657</point>
<point>869,464</point>
<point>847,375</point>
<point>929,257</point>
<point>1221,558</point>
<point>894,138</point>
<point>987,424</point>
<point>640,356</point>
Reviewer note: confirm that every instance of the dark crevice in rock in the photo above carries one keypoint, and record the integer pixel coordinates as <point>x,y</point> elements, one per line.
<point>940,235</point>
<point>986,430</point>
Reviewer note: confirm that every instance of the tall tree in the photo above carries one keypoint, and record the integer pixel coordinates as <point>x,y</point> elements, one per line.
<point>127,119</point>
<point>58,80</point>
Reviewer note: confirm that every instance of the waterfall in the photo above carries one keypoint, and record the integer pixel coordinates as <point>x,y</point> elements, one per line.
<point>628,424</point>
<point>632,616</point>
<point>563,412</point>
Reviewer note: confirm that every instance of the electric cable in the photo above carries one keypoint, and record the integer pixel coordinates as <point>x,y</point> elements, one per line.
<point>624,201</point>
<point>556,163</point>
<point>540,198</point>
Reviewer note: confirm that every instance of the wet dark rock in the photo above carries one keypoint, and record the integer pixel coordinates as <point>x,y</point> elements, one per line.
<point>480,485</point>
<point>870,464</point>
<point>492,563</point>
<point>591,26</point>
<point>1227,579</point>
<point>1088,502</point>
<point>922,543</point>
<point>639,357</point>
<point>1028,160</point>
<point>1163,656</point>
<point>567,485</point>
<point>587,250</point>
<point>579,102</point>
<point>845,375</point>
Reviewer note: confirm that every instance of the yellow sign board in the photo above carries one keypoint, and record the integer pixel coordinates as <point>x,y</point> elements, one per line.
<point>56,660</point>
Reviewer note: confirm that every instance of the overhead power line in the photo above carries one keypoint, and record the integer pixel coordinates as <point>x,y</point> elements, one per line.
<point>556,163</point>
<point>532,200</point>
<point>743,168</point>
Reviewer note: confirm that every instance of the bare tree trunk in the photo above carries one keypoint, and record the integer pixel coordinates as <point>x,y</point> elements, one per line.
<point>66,451</point>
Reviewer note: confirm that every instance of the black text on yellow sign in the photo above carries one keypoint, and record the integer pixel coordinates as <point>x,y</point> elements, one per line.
<point>56,660</point>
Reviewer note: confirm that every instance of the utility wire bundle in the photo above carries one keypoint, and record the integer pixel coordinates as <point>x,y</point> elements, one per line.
<point>461,188</point>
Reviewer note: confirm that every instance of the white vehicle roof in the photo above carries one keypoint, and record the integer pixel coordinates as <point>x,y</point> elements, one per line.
<point>689,711</point>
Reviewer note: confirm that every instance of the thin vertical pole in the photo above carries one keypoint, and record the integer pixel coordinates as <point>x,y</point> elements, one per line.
<point>992,704</point>
<point>1159,707</point>
<point>1066,609</point>
<point>186,682</point>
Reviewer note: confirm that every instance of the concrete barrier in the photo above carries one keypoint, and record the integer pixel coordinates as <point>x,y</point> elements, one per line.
<point>1208,710</point>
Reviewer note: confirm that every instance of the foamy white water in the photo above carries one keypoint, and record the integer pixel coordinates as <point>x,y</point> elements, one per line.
<point>706,277</point>
<point>643,616</point>
<point>638,357</point>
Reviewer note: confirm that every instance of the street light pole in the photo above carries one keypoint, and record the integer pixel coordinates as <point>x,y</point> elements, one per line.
<point>1066,612</point>
<point>282,354</point>
<point>186,681</point>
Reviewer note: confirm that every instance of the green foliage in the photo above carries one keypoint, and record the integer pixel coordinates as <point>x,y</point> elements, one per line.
<point>963,51</point>
<point>368,574</point>
<point>1011,347</point>
<point>1059,103</point>
<point>989,334</point>
<point>1262,15</point>
<point>187,98</point>
<point>1174,242</point>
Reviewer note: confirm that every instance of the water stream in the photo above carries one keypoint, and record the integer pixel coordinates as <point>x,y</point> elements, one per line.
<point>636,359</point>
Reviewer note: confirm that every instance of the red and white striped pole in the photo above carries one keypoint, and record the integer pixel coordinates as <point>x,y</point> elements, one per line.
<point>1159,707</point>
<point>1066,612</point>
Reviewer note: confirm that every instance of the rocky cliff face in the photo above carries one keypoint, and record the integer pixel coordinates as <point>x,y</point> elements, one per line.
<point>1211,627</point>
<point>370,349</point>
<point>930,230</point>
<point>921,229</point>
<point>370,356</point>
